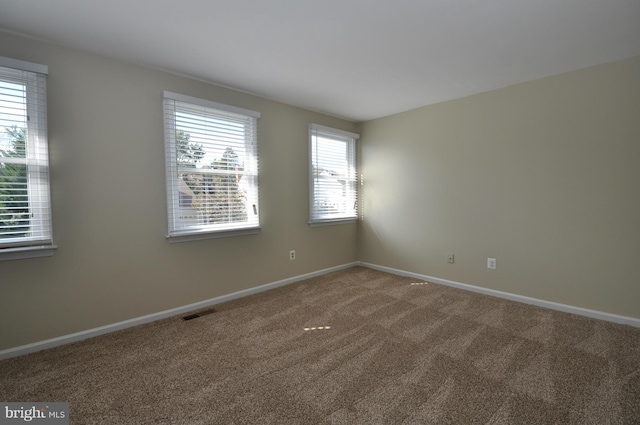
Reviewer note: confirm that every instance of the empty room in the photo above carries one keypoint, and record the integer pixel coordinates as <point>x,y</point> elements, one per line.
<point>345,212</point>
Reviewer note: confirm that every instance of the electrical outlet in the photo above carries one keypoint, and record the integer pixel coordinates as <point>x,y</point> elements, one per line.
<point>491,263</point>
<point>292,254</point>
<point>450,258</point>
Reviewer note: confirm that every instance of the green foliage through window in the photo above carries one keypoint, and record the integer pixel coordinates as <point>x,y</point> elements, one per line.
<point>14,196</point>
<point>212,167</point>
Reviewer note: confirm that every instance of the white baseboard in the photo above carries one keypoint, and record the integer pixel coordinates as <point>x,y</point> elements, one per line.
<point>513,297</point>
<point>79,336</point>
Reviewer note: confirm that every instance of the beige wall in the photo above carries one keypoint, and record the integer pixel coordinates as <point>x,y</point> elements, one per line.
<point>109,212</point>
<point>544,176</point>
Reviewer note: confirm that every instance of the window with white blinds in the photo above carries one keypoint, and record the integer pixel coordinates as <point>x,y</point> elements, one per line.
<point>25,207</point>
<point>211,155</point>
<point>333,177</point>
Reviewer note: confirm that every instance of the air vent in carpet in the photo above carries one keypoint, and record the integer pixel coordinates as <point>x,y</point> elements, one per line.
<point>199,314</point>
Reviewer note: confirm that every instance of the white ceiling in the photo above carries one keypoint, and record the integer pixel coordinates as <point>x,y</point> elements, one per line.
<point>357,59</point>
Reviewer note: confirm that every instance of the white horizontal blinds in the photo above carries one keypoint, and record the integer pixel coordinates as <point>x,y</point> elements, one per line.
<point>334,193</point>
<point>212,155</point>
<point>25,210</point>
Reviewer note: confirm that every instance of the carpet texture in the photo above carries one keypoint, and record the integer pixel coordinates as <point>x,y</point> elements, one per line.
<point>385,350</point>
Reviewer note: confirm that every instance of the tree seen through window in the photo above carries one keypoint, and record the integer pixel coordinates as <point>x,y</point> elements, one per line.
<point>215,191</point>
<point>14,196</point>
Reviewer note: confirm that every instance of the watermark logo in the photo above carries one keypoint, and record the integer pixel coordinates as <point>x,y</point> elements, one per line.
<point>40,413</point>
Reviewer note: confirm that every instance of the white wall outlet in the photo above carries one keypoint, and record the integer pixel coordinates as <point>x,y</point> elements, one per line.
<point>491,263</point>
<point>450,258</point>
<point>292,254</point>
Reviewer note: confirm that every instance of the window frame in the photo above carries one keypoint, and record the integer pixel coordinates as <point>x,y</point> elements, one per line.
<point>34,80</point>
<point>181,232</point>
<point>316,218</point>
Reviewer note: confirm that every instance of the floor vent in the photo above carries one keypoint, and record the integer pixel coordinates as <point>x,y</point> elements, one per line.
<point>199,314</point>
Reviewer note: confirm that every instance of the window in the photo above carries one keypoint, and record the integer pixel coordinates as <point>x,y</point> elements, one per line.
<point>212,168</point>
<point>25,206</point>
<point>333,189</point>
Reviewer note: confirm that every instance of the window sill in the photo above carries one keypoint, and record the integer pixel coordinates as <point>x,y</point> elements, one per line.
<point>27,252</point>
<point>332,222</point>
<point>196,236</point>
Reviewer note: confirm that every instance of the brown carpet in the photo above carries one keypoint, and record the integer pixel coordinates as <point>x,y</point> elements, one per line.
<point>384,351</point>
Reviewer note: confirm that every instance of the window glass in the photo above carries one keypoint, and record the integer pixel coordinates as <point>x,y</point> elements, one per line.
<point>25,211</point>
<point>212,167</point>
<point>333,185</point>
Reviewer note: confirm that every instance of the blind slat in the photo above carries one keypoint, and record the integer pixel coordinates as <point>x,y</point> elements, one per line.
<point>212,166</point>
<point>333,176</point>
<point>25,211</point>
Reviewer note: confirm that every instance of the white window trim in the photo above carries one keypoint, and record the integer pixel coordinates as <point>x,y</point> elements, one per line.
<point>195,234</point>
<point>198,236</point>
<point>27,252</point>
<point>24,66</point>
<point>317,222</point>
<point>41,248</point>
<point>210,104</point>
<point>322,223</point>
